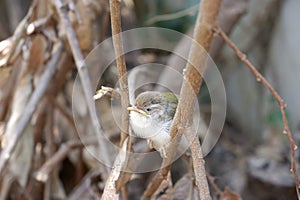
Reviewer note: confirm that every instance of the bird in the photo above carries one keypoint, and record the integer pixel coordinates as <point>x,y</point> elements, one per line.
<point>151,118</point>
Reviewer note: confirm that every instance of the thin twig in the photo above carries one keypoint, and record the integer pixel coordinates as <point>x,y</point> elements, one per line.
<point>37,25</point>
<point>30,108</point>
<point>208,12</point>
<point>197,157</point>
<point>83,74</point>
<point>73,8</point>
<point>212,182</point>
<point>280,101</point>
<point>6,186</point>
<point>13,52</point>
<point>171,16</point>
<point>50,145</point>
<point>19,33</point>
<point>110,191</point>
<point>115,15</point>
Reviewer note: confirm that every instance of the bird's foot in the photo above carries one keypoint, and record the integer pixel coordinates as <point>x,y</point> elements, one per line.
<point>150,144</point>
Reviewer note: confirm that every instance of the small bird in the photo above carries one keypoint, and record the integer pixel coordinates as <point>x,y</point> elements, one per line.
<point>151,118</point>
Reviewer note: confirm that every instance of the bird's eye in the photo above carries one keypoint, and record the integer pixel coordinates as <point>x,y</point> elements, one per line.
<point>148,109</point>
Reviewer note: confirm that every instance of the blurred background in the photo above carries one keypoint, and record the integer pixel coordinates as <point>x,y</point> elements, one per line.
<point>252,156</point>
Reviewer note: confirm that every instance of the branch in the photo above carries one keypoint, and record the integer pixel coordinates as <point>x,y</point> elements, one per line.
<point>213,184</point>
<point>83,74</point>
<point>30,108</point>
<point>19,33</point>
<point>110,191</point>
<point>50,146</point>
<point>172,16</point>
<point>197,157</point>
<point>115,15</point>
<point>122,177</point>
<point>280,101</point>
<point>208,12</point>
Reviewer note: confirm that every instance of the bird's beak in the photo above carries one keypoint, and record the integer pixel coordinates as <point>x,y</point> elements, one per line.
<point>131,108</point>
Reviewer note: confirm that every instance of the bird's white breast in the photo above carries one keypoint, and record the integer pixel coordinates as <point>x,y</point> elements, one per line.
<point>145,127</point>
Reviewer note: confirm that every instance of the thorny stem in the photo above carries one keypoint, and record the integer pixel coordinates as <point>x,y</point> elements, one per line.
<point>280,101</point>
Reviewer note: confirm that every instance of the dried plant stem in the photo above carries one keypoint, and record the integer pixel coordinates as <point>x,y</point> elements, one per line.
<point>6,186</point>
<point>280,101</point>
<point>110,191</point>
<point>213,184</point>
<point>83,74</point>
<point>203,35</point>
<point>115,14</point>
<point>155,182</point>
<point>197,157</point>
<point>50,150</point>
<point>172,16</point>
<point>19,33</point>
<point>30,108</point>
